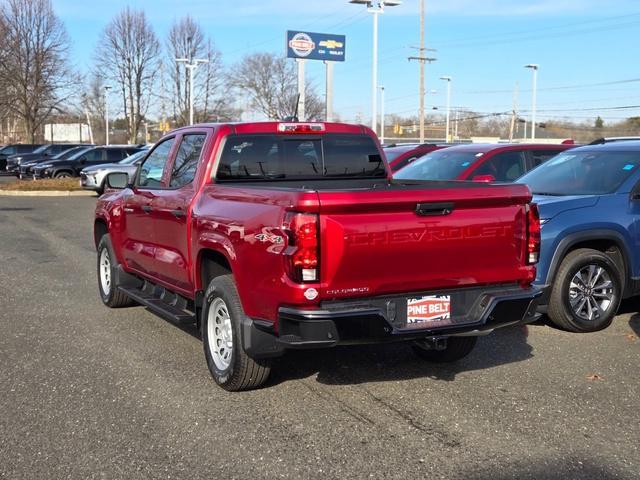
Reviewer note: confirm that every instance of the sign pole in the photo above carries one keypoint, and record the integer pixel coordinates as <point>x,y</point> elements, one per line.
<point>329,93</point>
<point>301,101</point>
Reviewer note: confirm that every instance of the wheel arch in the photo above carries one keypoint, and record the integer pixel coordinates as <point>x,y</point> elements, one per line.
<point>610,242</point>
<point>100,229</point>
<point>211,263</point>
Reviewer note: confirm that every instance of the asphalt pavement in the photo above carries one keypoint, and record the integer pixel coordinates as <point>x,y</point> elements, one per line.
<point>89,392</point>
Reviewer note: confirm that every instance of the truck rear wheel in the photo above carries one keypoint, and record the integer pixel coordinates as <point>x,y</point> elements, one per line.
<point>107,264</point>
<point>229,364</point>
<point>586,292</point>
<point>456,349</point>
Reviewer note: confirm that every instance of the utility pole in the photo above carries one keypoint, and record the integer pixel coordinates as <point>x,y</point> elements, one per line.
<point>191,64</point>
<point>106,114</point>
<point>422,59</point>
<point>514,113</point>
<point>163,93</point>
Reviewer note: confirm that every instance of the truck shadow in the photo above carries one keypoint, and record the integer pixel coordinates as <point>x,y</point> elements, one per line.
<point>380,363</point>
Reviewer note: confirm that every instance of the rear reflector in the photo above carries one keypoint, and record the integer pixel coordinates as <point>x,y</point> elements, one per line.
<point>301,127</point>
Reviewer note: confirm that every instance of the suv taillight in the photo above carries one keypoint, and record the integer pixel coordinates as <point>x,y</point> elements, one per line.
<point>533,234</point>
<point>303,251</point>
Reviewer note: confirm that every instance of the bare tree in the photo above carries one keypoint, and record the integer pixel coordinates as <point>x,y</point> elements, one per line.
<point>128,55</point>
<point>270,82</point>
<point>187,40</point>
<point>35,78</point>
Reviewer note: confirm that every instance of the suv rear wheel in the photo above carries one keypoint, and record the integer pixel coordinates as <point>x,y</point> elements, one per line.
<point>586,292</point>
<point>62,175</point>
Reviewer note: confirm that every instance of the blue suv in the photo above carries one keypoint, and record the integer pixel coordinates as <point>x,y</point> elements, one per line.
<point>589,203</point>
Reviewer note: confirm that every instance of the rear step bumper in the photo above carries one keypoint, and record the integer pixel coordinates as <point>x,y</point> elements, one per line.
<point>383,319</point>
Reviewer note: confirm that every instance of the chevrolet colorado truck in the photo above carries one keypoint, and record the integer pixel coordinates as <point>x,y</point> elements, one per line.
<point>273,236</point>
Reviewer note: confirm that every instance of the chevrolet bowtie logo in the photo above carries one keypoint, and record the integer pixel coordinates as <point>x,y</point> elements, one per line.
<point>331,44</point>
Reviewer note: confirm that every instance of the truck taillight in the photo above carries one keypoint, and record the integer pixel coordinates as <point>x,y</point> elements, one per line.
<point>303,252</point>
<point>533,234</point>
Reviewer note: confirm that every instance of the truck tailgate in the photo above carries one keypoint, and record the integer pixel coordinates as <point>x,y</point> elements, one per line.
<point>427,237</point>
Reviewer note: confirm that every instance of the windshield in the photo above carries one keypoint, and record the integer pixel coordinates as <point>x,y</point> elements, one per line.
<point>41,149</point>
<point>439,165</point>
<point>582,173</point>
<point>394,152</point>
<point>133,158</point>
<point>68,153</point>
<point>259,157</point>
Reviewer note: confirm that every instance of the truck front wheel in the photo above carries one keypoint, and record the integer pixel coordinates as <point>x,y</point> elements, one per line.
<point>229,364</point>
<point>107,264</point>
<point>455,349</point>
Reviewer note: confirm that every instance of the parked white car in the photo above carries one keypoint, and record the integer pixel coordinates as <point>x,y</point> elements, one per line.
<point>92,178</point>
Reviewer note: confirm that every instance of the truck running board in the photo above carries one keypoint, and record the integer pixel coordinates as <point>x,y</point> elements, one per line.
<point>162,302</point>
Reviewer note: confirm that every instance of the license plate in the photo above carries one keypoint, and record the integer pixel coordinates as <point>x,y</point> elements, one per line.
<point>429,311</point>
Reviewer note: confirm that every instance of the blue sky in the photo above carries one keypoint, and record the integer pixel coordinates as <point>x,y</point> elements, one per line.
<point>582,47</point>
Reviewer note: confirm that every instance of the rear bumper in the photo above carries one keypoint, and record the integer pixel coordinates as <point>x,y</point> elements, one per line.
<point>382,320</point>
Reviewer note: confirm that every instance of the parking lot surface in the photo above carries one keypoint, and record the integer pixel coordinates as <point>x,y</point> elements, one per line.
<point>89,392</point>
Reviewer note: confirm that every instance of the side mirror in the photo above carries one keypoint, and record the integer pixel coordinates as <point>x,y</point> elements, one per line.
<point>484,178</point>
<point>117,180</point>
<point>83,160</point>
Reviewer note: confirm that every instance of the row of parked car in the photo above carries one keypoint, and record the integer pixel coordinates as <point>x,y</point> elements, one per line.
<point>64,160</point>
<point>589,203</point>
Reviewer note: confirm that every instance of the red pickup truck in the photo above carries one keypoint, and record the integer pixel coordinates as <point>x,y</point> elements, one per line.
<point>274,236</point>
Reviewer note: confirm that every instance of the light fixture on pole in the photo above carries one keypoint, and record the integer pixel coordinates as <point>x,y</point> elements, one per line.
<point>533,67</point>
<point>375,7</point>
<point>191,64</point>
<point>106,114</point>
<point>448,80</point>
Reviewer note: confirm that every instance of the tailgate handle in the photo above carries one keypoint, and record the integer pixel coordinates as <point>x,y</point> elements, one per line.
<point>433,209</point>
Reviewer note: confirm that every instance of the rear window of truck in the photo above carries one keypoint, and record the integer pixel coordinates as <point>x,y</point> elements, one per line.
<point>265,157</point>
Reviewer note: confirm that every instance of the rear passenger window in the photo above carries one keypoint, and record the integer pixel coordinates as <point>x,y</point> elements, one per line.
<point>541,156</point>
<point>95,155</point>
<point>115,155</point>
<point>504,167</point>
<point>187,158</point>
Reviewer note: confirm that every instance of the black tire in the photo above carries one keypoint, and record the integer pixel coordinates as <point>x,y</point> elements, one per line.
<point>113,298</point>
<point>457,348</point>
<point>560,311</point>
<point>63,174</point>
<point>242,371</point>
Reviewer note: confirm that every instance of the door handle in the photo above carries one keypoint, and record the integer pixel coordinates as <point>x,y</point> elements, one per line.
<point>147,208</point>
<point>178,213</point>
<point>128,210</point>
<point>434,209</point>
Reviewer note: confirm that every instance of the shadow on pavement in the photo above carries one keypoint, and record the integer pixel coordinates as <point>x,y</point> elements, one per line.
<point>634,323</point>
<point>378,363</point>
<point>582,470</point>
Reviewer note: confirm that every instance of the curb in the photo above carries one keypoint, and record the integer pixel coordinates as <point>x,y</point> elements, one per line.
<point>45,193</point>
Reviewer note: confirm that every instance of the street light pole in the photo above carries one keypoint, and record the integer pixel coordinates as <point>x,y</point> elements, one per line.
<point>106,114</point>
<point>533,67</point>
<point>381,114</point>
<point>448,80</point>
<point>191,64</point>
<point>375,7</point>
